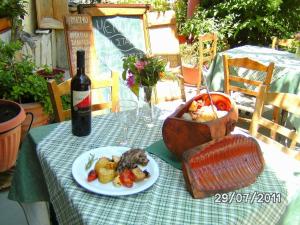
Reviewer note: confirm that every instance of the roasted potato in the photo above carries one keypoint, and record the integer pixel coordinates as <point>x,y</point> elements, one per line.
<point>101,163</point>
<point>105,175</point>
<point>139,174</point>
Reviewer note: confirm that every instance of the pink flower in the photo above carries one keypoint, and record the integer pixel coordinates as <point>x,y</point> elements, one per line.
<point>130,79</point>
<point>140,65</point>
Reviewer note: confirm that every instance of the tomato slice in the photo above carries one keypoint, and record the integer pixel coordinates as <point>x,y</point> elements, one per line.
<point>127,178</point>
<point>92,176</point>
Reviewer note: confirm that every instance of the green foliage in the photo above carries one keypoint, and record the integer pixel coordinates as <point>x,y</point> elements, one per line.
<point>180,12</point>
<point>256,21</point>
<point>12,8</point>
<point>15,10</point>
<point>18,81</point>
<point>156,5</point>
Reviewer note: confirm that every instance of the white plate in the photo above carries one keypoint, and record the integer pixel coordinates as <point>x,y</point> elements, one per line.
<point>80,174</point>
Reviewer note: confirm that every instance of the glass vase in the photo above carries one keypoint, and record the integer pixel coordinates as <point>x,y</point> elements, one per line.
<point>147,99</point>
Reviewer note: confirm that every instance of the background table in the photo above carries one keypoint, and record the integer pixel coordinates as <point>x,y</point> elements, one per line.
<point>166,202</point>
<point>286,75</point>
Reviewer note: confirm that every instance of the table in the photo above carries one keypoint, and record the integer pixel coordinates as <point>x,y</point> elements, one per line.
<point>286,74</point>
<point>166,202</point>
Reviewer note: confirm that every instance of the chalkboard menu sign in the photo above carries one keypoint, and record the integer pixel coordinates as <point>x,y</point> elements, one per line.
<point>79,35</point>
<point>118,30</point>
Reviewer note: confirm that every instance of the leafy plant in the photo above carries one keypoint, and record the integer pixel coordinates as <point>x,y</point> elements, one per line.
<point>156,5</point>
<point>256,21</point>
<point>180,9</point>
<point>18,81</point>
<point>190,53</point>
<point>15,10</point>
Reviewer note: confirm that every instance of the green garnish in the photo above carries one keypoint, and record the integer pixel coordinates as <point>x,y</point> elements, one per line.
<point>90,161</point>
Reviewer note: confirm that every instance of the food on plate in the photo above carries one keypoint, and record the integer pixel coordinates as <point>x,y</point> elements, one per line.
<point>202,113</point>
<point>122,171</point>
<point>105,175</point>
<point>92,176</point>
<point>131,158</point>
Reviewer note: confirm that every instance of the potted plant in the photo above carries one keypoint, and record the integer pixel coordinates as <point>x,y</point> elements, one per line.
<point>11,117</point>
<point>11,14</point>
<point>20,83</point>
<point>189,57</point>
<point>180,8</point>
<point>51,73</point>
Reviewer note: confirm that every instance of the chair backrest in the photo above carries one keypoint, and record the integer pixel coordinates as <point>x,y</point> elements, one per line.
<point>235,82</point>
<point>56,92</point>
<point>277,43</point>
<point>279,101</point>
<point>207,53</point>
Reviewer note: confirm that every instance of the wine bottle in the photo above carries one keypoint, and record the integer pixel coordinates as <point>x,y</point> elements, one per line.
<point>81,99</point>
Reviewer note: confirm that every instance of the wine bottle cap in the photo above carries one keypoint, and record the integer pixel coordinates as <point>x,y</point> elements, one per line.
<point>80,58</point>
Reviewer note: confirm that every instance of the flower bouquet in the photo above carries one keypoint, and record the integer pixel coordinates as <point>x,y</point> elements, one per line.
<point>143,71</point>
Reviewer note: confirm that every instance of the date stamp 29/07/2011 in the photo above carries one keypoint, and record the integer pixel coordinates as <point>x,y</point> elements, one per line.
<point>253,197</point>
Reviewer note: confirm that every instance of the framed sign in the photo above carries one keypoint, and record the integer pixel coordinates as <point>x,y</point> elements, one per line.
<point>79,35</point>
<point>118,30</point>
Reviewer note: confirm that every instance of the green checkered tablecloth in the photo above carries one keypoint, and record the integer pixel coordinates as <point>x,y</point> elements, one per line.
<point>166,202</point>
<point>286,75</point>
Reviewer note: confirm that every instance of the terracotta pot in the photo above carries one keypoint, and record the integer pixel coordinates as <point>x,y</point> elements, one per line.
<point>190,74</point>
<point>5,23</point>
<point>40,118</point>
<point>11,117</point>
<point>181,39</point>
<point>180,134</point>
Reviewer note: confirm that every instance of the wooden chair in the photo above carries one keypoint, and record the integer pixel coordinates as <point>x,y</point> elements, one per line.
<point>56,91</point>
<point>207,53</point>
<point>279,101</point>
<point>236,85</point>
<point>279,43</point>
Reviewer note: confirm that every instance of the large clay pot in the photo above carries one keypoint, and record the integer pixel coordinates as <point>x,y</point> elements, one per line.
<point>40,118</point>
<point>5,23</point>
<point>180,134</point>
<point>11,117</point>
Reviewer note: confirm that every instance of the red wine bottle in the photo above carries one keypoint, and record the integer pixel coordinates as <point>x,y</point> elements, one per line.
<point>81,99</point>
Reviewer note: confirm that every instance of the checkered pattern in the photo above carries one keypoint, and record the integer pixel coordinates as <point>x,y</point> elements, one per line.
<point>284,62</point>
<point>166,202</point>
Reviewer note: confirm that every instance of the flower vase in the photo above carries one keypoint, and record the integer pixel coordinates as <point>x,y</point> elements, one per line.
<point>147,99</point>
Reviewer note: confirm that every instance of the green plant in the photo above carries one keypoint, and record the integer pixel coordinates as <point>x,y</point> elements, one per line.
<point>15,10</point>
<point>256,21</point>
<point>180,9</point>
<point>156,5</point>
<point>142,70</point>
<point>190,53</point>
<point>18,81</point>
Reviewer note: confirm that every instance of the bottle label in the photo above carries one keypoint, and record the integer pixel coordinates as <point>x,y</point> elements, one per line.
<point>81,99</point>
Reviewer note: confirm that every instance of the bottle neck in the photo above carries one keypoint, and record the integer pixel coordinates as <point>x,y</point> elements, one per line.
<point>80,70</point>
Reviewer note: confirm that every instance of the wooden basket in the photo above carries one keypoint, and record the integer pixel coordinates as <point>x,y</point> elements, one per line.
<point>180,134</point>
<point>224,165</point>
